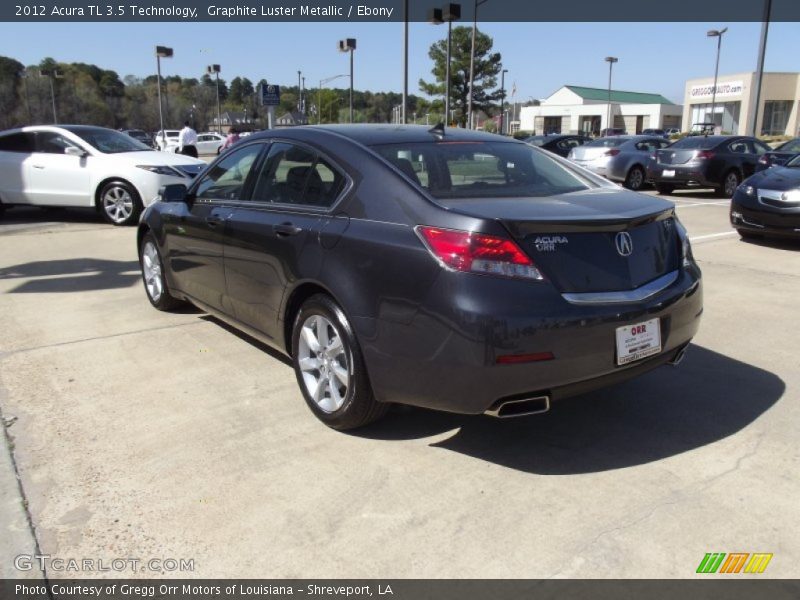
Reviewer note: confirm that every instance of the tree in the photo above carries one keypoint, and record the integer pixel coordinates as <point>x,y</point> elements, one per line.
<point>487,68</point>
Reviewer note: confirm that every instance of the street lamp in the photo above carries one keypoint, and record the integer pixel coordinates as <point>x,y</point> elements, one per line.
<point>502,96</point>
<point>447,14</point>
<point>52,74</point>
<point>216,69</point>
<point>717,33</point>
<point>349,45</point>
<point>610,60</point>
<point>161,52</point>
<point>472,59</point>
<point>319,94</point>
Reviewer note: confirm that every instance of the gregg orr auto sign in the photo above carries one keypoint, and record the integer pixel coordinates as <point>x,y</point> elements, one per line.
<point>724,88</point>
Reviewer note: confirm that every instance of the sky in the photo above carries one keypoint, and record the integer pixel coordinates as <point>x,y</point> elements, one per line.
<point>540,57</point>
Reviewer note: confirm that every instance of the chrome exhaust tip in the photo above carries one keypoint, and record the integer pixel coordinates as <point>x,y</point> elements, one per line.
<point>520,408</point>
<point>676,360</point>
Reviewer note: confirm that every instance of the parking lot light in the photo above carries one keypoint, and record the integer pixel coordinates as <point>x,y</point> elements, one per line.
<point>216,70</point>
<point>161,52</point>
<point>610,60</point>
<point>447,14</point>
<point>349,45</point>
<point>717,33</point>
<point>52,74</point>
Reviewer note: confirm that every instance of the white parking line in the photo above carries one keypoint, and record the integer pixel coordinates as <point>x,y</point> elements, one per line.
<point>712,235</point>
<point>720,203</point>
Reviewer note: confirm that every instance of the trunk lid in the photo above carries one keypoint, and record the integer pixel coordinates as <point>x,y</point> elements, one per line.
<point>573,238</point>
<point>587,153</point>
<point>675,156</point>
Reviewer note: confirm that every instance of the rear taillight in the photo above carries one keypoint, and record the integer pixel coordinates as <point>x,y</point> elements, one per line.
<point>764,160</point>
<point>703,155</point>
<point>478,253</point>
<point>612,152</point>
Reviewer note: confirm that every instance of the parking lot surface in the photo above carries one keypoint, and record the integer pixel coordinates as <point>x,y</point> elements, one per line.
<point>143,434</point>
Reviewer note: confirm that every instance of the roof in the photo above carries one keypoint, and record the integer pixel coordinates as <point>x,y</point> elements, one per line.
<point>600,94</point>
<point>373,134</point>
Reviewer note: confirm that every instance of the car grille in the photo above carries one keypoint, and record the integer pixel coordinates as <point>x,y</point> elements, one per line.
<point>775,198</point>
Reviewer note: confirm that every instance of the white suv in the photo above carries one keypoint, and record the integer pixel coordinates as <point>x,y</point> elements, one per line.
<point>166,138</point>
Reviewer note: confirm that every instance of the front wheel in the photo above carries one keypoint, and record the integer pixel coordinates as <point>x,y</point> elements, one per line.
<point>120,203</point>
<point>329,367</point>
<point>155,284</point>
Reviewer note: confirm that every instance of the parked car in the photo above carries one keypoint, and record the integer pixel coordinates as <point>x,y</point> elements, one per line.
<point>445,268</point>
<point>715,161</point>
<point>207,143</point>
<point>672,131</point>
<point>655,132</point>
<point>703,129</point>
<point>780,155</point>
<point>612,131</point>
<point>140,136</point>
<point>164,139</point>
<point>558,144</point>
<point>768,203</point>
<point>81,165</point>
<point>620,158</point>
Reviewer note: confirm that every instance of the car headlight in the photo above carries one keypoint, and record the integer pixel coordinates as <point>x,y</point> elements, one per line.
<point>749,190</point>
<point>161,170</point>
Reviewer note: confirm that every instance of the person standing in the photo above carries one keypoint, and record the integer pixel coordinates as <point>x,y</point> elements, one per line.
<point>187,140</point>
<point>233,137</point>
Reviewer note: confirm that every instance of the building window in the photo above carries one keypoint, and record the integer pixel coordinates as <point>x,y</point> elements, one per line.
<point>726,115</point>
<point>776,117</point>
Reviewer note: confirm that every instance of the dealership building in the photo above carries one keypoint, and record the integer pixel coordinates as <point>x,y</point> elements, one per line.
<point>573,109</point>
<point>735,102</point>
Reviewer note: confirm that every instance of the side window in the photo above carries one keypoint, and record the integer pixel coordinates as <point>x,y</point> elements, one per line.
<point>49,142</point>
<point>294,175</point>
<point>225,181</point>
<point>664,143</point>
<point>761,148</point>
<point>739,147</point>
<point>17,142</point>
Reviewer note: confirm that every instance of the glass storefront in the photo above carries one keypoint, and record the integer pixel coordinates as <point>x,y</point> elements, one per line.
<point>726,115</point>
<point>776,117</point>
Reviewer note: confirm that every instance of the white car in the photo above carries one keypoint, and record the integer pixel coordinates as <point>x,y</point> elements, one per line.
<point>207,143</point>
<point>166,139</point>
<point>82,165</point>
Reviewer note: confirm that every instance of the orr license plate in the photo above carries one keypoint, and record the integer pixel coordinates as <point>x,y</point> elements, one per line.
<point>638,341</point>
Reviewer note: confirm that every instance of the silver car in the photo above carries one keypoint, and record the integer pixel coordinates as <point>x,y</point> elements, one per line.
<point>621,158</point>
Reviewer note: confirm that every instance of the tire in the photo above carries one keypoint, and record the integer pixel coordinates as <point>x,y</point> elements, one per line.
<point>155,284</point>
<point>119,202</point>
<point>635,178</point>
<point>338,380</point>
<point>729,184</point>
<point>748,235</point>
<point>665,188</point>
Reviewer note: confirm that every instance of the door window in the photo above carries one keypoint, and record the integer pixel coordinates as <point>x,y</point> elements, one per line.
<point>17,142</point>
<point>226,179</point>
<point>50,142</point>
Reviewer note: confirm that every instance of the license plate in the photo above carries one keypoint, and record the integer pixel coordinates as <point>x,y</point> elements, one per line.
<point>668,173</point>
<point>638,341</point>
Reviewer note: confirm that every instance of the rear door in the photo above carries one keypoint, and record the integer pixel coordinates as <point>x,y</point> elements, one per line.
<point>15,149</point>
<point>273,240</point>
<point>56,179</point>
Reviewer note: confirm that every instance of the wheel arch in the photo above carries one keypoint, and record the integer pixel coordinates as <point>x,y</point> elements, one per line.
<point>105,181</point>
<point>295,300</point>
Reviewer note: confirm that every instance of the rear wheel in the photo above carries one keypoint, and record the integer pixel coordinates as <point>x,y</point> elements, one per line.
<point>729,184</point>
<point>329,367</point>
<point>635,178</point>
<point>665,188</point>
<point>155,284</point>
<point>120,203</point>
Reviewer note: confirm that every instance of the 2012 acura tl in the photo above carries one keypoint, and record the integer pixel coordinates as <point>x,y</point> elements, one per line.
<point>442,268</point>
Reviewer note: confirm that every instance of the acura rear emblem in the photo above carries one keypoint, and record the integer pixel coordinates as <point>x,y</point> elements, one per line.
<point>624,243</point>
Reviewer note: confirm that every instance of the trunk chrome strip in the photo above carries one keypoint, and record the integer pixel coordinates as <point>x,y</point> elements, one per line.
<point>641,293</point>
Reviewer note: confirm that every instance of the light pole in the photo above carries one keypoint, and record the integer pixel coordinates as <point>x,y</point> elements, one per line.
<point>405,59</point>
<point>472,60</point>
<point>717,33</point>
<point>161,52</point>
<point>216,69</point>
<point>502,96</point>
<point>302,97</point>
<point>349,45</point>
<point>319,94</point>
<point>52,74</point>
<point>447,14</point>
<point>610,60</point>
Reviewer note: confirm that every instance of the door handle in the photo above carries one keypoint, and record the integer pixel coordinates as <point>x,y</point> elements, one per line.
<point>285,229</point>
<point>213,221</point>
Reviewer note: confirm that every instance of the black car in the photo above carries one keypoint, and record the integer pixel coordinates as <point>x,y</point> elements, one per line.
<point>768,203</point>
<point>611,131</point>
<point>714,161</point>
<point>444,268</point>
<point>780,155</point>
<point>140,136</point>
<point>558,144</point>
<point>656,132</point>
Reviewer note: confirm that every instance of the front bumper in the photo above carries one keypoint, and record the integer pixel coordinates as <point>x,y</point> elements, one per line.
<point>751,213</point>
<point>445,357</point>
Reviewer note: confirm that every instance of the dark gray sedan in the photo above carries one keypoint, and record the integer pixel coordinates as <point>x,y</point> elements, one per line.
<point>620,158</point>
<point>442,268</point>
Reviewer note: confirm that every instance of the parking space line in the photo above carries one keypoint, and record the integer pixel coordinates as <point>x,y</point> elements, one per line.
<point>712,235</point>
<point>719,203</point>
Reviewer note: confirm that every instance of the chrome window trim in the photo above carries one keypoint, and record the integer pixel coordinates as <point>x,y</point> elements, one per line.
<point>637,295</point>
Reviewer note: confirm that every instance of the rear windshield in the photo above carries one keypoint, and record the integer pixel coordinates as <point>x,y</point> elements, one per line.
<point>536,141</point>
<point>611,142</point>
<point>695,142</point>
<point>482,169</point>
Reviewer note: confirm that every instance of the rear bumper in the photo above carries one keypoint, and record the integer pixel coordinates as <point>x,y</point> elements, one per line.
<point>693,176</point>
<point>446,357</point>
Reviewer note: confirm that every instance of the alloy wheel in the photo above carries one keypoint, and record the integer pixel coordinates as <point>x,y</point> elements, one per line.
<point>731,183</point>
<point>635,179</point>
<point>323,361</point>
<point>151,267</point>
<point>118,204</point>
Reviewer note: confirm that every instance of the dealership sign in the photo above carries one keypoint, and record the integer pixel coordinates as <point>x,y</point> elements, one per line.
<point>724,88</point>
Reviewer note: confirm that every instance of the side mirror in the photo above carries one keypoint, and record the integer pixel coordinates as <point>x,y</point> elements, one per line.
<point>174,192</point>
<point>75,151</point>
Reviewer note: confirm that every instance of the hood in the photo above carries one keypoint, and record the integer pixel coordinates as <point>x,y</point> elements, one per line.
<point>776,178</point>
<point>153,157</point>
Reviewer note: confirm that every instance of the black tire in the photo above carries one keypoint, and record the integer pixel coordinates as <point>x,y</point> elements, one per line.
<point>358,405</point>
<point>664,188</point>
<point>635,179</point>
<point>748,235</point>
<point>165,300</point>
<point>730,182</point>
<point>114,206</point>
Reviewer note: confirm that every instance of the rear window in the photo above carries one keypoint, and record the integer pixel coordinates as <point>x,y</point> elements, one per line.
<point>695,142</point>
<point>482,169</point>
<point>611,142</point>
<point>536,141</point>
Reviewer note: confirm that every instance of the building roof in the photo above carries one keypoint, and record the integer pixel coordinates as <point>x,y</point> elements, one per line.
<point>600,94</point>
